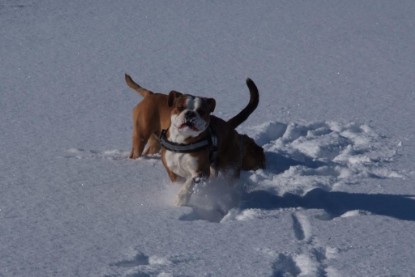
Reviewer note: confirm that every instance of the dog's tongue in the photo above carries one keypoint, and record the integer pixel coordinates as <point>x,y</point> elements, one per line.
<point>188,125</point>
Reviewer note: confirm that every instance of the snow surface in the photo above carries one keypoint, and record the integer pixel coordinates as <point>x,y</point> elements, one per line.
<point>336,118</point>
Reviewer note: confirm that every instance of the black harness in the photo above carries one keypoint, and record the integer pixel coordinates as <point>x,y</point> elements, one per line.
<point>211,142</point>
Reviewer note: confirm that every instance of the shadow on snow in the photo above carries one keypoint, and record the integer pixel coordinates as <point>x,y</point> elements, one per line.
<point>277,163</point>
<point>335,203</point>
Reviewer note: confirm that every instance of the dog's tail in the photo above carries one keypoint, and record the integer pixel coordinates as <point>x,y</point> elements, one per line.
<point>252,105</point>
<point>142,91</point>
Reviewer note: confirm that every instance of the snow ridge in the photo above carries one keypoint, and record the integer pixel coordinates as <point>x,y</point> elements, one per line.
<point>323,155</point>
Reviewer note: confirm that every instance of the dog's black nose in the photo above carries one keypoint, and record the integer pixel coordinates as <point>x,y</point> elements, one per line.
<point>189,115</point>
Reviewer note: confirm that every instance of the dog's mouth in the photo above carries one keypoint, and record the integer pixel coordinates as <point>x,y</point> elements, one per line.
<point>190,125</point>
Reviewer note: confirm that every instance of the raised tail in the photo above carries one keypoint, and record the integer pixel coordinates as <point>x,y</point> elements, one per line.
<point>252,105</point>
<point>142,91</point>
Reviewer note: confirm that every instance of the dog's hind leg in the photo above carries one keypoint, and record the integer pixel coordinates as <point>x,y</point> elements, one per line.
<point>137,146</point>
<point>140,139</point>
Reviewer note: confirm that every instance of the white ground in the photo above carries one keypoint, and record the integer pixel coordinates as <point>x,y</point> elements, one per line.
<point>336,118</point>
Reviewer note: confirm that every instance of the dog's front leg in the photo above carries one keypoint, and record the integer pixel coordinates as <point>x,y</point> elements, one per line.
<point>187,190</point>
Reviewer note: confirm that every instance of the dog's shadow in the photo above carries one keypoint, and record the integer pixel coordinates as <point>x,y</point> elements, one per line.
<point>277,163</point>
<point>335,203</point>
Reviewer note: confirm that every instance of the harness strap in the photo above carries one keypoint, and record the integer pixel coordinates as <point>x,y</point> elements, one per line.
<point>211,142</point>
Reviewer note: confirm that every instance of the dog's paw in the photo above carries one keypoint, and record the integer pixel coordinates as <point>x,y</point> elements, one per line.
<point>183,198</point>
<point>199,179</point>
<point>134,156</point>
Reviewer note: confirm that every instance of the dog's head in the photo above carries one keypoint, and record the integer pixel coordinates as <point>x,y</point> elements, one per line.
<point>253,154</point>
<point>190,115</point>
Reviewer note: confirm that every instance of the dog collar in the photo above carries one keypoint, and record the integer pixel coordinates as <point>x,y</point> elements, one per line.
<point>211,141</point>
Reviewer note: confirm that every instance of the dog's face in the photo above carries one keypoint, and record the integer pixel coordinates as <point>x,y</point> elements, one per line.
<point>254,156</point>
<point>190,115</point>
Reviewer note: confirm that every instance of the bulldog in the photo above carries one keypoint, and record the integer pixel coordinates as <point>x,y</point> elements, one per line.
<point>152,115</point>
<point>198,144</point>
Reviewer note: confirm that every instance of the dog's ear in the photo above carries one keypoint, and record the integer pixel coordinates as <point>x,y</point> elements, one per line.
<point>172,96</point>
<point>211,104</point>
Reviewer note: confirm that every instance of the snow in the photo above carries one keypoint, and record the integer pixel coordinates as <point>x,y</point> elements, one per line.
<point>337,97</point>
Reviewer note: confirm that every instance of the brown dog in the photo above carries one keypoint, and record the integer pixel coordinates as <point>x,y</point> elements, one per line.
<point>152,115</point>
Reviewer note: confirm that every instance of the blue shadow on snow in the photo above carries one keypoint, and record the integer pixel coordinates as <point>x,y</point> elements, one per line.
<point>277,163</point>
<point>335,203</point>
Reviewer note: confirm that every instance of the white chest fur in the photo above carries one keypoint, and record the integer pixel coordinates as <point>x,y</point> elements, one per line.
<point>182,164</point>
